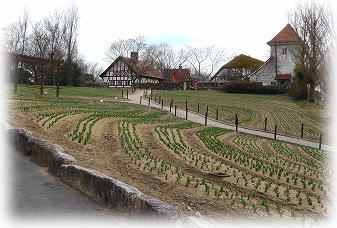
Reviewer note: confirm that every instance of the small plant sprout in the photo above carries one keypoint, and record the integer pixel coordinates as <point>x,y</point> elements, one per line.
<point>293,213</point>
<point>266,205</point>
<point>279,209</point>
<point>254,208</point>
<point>188,181</point>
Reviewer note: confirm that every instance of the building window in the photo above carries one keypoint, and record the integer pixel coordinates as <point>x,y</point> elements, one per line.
<point>284,51</point>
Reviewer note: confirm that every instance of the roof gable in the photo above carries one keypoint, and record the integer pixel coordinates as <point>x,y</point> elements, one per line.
<point>139,67</point>
<point>286,35</point>
<point>180,75</point>
<point>243,61</point>
<point>143,68</point>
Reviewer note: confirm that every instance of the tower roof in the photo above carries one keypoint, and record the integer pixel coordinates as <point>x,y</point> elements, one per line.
<point>287,35</point>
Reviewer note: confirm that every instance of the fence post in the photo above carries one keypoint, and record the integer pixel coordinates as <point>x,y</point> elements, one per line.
<point>265,124</point>
<point>175,110</point>
<point>206,114</point>
<point>236,122</point>
<point>217,114</point>
<point>320,142</point>
<point>171,105</point>
<point>149,102</point>
<point>140,100</point>
<point>127,93</point>
<point>198,108</point>
<point>151,94</point>
<point>186,113</point>
<point>302,128</point>
<point>275,131</point>
<point>207,109</point>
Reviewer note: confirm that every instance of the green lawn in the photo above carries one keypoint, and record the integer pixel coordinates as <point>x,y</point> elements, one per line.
<point>252,110</point>
<point>69,91</point>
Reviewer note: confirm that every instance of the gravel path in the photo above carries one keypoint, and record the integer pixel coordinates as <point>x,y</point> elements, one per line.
<point>198,118</point>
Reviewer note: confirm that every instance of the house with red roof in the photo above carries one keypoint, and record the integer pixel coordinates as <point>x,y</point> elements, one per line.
<point>279,68</point>
<point>179,75</point>
<point>124,72</point>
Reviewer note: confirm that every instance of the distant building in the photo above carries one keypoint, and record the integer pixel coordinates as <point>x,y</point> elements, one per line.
<point>124,72</point>
<point>239,67</point>
<point>177,75</point>
<point>279,68</point>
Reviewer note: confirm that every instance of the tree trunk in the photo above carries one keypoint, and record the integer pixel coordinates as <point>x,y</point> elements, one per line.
<point>311,91</point>
<point>58,80</point>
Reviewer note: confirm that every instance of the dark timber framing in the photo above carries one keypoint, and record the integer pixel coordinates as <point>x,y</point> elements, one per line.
<point>121,73</point>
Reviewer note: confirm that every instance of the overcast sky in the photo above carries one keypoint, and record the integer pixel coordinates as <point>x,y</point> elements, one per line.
<point>239,26</point>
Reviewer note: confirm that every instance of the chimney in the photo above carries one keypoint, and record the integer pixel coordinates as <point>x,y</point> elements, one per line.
<point>134,56</point>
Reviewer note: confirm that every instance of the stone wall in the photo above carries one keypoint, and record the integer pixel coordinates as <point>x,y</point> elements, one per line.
<point>101,188</point>
<point>265,74</point>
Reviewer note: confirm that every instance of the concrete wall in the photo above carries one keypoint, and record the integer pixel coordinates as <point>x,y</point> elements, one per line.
<point>101,188</point>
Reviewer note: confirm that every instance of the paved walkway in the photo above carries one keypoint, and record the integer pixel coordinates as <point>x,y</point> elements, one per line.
<point>35,194</point>
<point>198,118</point>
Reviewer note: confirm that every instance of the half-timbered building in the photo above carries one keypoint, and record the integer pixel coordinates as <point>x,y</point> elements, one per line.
<point>125,72</point>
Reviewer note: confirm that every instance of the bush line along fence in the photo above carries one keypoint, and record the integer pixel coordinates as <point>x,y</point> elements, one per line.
<point>160,101</point>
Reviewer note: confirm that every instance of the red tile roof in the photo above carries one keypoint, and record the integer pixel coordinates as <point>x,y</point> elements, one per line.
<point>140,67</point>
<point>143,68</point>
<point>180,75</point>
<point>283,76</point>
<point>287,35</point>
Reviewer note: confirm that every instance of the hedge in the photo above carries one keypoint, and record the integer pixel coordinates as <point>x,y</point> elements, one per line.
<point>253,88</point>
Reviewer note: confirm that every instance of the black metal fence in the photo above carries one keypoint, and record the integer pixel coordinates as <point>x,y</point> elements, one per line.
<point>206,115</point>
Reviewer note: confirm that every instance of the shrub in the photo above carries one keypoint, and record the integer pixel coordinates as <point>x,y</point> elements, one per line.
<point>252,88</point>
<point>298,90</point>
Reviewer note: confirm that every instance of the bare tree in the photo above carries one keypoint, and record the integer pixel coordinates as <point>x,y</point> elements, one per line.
<point>16,40</point>
<point>12,37</point>
<point>204,61</point>
<point>70,35</point>
<point>37,46</point>
<point>38,41</point>
<point>16,34</point>
<point>124,47</point>
<point>164,56</point>
<point>53,28</point>
<point>314,25</point>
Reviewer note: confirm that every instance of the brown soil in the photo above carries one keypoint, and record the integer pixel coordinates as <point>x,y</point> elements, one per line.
<point>104,154</point>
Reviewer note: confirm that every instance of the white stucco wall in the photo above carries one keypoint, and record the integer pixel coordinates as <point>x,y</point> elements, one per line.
<point>285,62</point>
<point>285,65</point>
